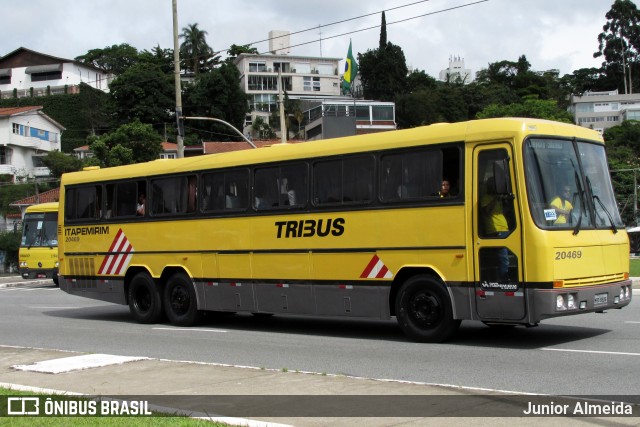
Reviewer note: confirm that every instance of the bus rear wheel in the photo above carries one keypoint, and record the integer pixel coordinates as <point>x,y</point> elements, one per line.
<point>145,302</point>
<point>424,311</point>
<point>180,302</point>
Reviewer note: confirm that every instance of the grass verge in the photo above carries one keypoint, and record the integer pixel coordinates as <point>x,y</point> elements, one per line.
<point>156,420</point>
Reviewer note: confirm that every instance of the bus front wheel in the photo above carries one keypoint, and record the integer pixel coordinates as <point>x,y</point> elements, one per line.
<point>180,303</point>
<point>145,302</point>
<point>424,311</point>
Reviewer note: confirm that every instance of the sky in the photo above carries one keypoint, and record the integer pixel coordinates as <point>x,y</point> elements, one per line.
<point>552,34</point>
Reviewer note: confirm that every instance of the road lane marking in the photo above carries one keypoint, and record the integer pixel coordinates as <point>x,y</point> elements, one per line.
<point>38,307</point>
<point>191,330</point>
<point>76,363</point>
<point>615,353</point>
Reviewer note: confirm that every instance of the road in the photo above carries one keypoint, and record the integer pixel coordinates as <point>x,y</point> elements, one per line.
<point>591,354</point>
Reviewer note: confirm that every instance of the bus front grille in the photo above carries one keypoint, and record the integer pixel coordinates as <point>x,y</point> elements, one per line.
<point>595,280</point>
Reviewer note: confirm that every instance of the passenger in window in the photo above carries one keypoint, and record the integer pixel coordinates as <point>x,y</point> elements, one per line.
<point>445,189</point>
<point>562,206</point>
<point>492,211</point>
<point>141,202</point>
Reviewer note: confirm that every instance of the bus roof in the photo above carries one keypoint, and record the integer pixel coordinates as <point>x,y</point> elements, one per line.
<point>43,207</point>
<point>470,131</point>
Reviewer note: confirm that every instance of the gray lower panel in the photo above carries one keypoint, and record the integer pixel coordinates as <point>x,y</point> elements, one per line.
<point>103,290</point>
<point>305,298</point>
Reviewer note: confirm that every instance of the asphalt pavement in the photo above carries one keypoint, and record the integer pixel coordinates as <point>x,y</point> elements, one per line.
<point>252,396</point>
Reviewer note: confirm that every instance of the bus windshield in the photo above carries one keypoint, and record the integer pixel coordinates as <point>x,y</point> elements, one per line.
<point>39,230</point>
<point>569,186</point>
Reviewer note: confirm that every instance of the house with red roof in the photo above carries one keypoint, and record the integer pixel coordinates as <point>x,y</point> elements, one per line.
<point>26,135</point>
<point>25,72</point>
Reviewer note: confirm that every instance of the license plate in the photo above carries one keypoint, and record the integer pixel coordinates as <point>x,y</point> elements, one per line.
<point>600,299</point>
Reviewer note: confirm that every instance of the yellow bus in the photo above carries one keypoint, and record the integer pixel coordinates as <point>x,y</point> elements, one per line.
<point>38,253</point>
<point>358,227</point>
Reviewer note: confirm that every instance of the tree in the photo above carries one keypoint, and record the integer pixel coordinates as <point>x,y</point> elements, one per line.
<point>383,71</point>
<point>134,142</point>
<point>534,108</point>
<point>115,59</point>
<point>59,163</point>
<point>235,51</point>
<point>143,92</point>
<point>194,50</point>
<point>10,244</point>
<point>586,79</point>
<point>217,94</point>
<point>162,58</point>
<point>383,32</point>
<point>619,43</point>
<point>623,153</point>
<point>419,80</point>
<point>261,129</point>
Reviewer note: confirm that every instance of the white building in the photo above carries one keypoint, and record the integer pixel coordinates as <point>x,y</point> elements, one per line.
<point>25,72</point>
<point>26,134</point>
<point>303,77</point>
<point>602,110</point>
<point>456,71</point>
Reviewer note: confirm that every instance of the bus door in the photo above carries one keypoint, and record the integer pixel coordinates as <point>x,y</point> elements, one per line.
<point>497,237</point>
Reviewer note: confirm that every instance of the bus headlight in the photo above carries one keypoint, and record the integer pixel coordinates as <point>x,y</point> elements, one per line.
<point>571,301</point>
<point>23,264</point>
<point>560,303</point>
<point>57,264</point>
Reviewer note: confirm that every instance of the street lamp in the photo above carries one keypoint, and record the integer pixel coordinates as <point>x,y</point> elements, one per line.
<point>221,121</point>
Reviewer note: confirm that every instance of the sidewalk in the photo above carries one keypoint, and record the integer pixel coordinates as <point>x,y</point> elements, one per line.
<point>291,398</point>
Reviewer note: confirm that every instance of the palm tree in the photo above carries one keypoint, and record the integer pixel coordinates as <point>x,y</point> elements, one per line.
<point>194,49</point>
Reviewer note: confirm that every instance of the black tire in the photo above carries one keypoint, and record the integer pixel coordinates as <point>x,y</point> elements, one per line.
<point>424,311</point>
<point>180,302</point>
<point>145,302</point>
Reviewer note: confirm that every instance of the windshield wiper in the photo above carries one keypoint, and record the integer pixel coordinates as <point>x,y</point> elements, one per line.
<point>576,230</point>
<point>604,208</point>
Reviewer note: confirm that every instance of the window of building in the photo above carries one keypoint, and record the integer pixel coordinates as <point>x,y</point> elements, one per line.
<point>302,67</point>
<point>382,112</point>
<point>15,127</point>
<point>285,66</point>
<point>48,75</point>
<point>38,162</point>
<point>325,69</point>
<point>311,83</point>
<point>5,155</point>
<point>168,155</point>
<point>584,108</point>
<point>257,67</point>
<point>5,80</point>
<point>263,102</point>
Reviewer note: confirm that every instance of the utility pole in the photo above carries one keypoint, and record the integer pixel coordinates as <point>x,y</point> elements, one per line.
<point>283,127</point>
<point>176,73</point>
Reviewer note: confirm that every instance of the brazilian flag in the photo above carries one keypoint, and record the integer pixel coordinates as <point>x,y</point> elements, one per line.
<point>350,72</point>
